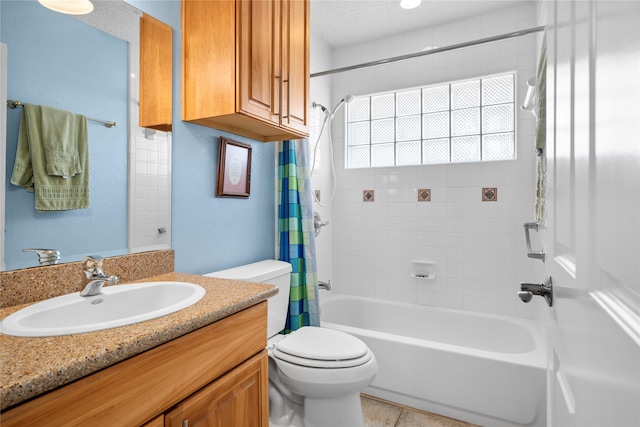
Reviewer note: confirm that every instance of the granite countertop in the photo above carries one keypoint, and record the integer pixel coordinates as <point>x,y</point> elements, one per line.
<point>31,366</point>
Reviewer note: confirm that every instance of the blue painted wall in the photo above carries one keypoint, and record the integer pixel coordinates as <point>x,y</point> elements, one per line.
<point>45,49</point>
<point>211,233</point>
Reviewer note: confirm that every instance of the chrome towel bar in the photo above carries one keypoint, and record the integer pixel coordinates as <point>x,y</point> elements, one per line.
<point>15,104</point>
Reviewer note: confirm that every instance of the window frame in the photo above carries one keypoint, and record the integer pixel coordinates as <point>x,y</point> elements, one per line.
<point>420,161</point>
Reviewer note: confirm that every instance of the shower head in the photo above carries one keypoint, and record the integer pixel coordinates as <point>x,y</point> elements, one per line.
<point>347,99</point>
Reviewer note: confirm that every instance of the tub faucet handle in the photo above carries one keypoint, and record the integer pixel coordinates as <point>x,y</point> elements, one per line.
<point>525,296</point>
<point>318,224</point>
<point>528,290</point>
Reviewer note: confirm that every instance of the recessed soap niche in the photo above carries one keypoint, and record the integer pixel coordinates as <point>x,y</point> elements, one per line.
<point>423,270</point>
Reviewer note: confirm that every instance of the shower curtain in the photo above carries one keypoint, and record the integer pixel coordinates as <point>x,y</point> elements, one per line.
<point>296,240</point>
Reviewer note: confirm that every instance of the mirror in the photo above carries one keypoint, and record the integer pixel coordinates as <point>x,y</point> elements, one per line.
<point>59,61</point>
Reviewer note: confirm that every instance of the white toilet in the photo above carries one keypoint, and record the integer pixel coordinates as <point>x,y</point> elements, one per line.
<point>315,374</point>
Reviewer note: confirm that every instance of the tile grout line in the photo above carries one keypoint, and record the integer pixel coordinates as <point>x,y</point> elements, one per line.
<point>396,424</point>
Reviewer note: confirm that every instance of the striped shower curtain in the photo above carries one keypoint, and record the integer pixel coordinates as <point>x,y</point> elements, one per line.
<point>296,240</point>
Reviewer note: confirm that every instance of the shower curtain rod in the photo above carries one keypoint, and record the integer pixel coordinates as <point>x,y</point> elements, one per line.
<point>491,39</point>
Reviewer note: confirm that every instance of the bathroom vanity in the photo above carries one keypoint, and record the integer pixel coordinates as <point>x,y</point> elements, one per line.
<point>205,361</point>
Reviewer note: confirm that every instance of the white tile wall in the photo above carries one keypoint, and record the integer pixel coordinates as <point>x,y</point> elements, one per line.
<point>150,190</point>
<point>478,247</point>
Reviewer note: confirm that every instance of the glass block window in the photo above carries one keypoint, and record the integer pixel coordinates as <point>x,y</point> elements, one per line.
<point>466,121</point>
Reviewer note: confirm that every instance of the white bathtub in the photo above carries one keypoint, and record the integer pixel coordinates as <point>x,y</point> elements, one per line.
<point>483,369</point>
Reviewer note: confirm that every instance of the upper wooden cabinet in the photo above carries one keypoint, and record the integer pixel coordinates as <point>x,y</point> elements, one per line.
<point>246,66</point>
<point>156,66</point>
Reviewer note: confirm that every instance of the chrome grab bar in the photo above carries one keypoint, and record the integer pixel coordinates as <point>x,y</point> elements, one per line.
<point>530,253</point>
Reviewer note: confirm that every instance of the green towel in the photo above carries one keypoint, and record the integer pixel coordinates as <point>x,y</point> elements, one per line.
<point>52,158</point>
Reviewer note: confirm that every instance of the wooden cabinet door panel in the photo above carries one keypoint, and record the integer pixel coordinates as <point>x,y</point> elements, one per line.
<point>208,59</point>
<point>239,398</point>
<point>295,60</point>
<point>156,422</point>
<point>259,72</point>
<point>156,66</point>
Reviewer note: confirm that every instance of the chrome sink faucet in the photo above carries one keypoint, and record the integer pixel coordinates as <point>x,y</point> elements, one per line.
<point>96,277</point>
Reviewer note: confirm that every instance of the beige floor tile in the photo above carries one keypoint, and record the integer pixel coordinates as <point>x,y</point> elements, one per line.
<point>410,418</point>
<point>379,414</point>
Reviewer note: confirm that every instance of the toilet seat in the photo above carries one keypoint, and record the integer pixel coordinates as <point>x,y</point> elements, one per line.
<point>316,347</point>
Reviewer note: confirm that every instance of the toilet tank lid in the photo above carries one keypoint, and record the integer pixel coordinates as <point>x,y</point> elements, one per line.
<point>261,271</point>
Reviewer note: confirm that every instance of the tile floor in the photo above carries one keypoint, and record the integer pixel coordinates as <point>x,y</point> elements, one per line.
<point>380,413</point>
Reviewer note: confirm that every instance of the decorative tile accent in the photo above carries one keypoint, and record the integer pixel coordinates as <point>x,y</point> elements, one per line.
<point>424,194</point>
<point>490,194</point>
<point>368,195</point>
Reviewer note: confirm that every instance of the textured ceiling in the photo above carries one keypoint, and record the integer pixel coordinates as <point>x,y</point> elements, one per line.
<point>117,18</point>
<point>346,22</point>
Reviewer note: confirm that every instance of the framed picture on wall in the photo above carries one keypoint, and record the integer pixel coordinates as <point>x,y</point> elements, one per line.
<point>234,169</point>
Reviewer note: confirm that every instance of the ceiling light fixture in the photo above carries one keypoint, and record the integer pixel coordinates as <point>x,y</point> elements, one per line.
<point>70,7</point>
<point>410,4</point>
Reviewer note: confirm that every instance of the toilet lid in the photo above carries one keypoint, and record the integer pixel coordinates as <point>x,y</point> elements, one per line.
<point>322,347</point>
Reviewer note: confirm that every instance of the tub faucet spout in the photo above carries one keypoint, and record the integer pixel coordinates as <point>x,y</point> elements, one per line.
<point>96,276</point>
<point>324,285</point>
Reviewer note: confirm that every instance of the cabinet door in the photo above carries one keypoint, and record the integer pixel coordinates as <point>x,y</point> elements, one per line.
<point>258,62</point>
<point>156,66</point>
<point>295,63</point>
<point>239,398</point>
<point>156,422</point>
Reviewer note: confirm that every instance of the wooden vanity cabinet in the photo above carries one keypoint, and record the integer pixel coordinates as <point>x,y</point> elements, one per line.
<point>246,66</point>
<point>156,67</point>
<point>219,371</point>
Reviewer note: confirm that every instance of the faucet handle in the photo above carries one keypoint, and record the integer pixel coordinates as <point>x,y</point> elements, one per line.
<point>528,290</point>
<point>46,256</point>
<point>93,265</point>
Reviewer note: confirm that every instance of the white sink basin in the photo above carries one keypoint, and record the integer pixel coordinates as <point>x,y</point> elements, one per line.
<point>116,306</point>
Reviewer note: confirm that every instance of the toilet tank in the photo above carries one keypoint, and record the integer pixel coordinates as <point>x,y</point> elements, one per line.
<point>272,272</point>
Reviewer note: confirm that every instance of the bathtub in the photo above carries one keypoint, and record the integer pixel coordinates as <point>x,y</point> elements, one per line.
<point>483,369</point>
